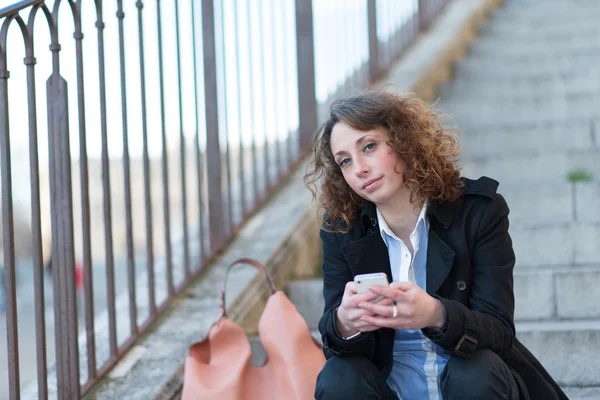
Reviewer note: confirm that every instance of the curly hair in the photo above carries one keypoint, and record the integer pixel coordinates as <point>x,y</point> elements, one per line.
<point>429,149</point>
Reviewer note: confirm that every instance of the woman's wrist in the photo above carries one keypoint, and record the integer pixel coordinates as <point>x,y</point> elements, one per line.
<point>343,329</point>
<point>438,315</point>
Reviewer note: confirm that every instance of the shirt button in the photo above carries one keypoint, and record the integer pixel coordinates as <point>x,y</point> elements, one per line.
<point>461,285</point>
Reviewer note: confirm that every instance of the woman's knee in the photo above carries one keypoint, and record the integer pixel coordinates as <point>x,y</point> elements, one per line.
<point>482,376</point>
<point>345,377</point>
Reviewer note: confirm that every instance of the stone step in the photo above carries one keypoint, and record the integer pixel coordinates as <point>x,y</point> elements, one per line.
<point>492,69</point>
<point>572,135</point>
<point>493,50</point>
<point>489,91</point>
<point>556,244</point>
<point>536,44</point>
<point>581,393</point>
<point>554,13</point>
<point>509,29</point>
<point>546,168</point>
<point>471,115</point>
<point>560,293</point>
<point>554,203</point>
<point>568,349</point>
<point>475,86</point>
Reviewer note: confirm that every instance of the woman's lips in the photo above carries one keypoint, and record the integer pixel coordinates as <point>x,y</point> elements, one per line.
<point>372,184</point>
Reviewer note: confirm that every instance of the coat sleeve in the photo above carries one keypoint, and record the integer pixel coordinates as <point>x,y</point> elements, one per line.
<point>488,321</point>
<point>336,273</point>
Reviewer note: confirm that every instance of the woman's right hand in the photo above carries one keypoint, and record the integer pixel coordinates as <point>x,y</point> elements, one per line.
<point>348,319</point>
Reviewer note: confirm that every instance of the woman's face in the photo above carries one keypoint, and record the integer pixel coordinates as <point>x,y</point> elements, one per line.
<point>369,165</point>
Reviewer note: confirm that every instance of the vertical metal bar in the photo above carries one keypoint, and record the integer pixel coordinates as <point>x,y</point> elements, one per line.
<point>242,183</point>
<point>165,162</point>
<point>226,125</point>
<point>373,41</point>
<point>88,288</point>
<point>62,233</point>
<point>199,160</point>
<point>213,152</point>
<point>36,229</point>
<point>307,102</point>
<point>110,267</point>
<point>276,110</point>
<point>266,152</point>
<point>147,181</point>
<point>127,178</point>
<point>423,15</point>
<point>186,241</point>
<point>12,334</point>
<point>286,82</point>
<point>252,123</point>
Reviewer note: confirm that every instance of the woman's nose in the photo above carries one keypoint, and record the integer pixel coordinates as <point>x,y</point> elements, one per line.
<point>361,168</point>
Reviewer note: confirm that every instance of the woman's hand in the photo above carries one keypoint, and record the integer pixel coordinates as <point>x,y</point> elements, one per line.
<point>349,314</point>
<point>415,308</point>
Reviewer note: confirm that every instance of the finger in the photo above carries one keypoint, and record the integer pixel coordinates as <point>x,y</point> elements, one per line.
<point>380,321</point>
<point>350,288</point>
<point>379,309</point>
<point>404,286</point>
<point>360,297</point>
<point>385,291</point>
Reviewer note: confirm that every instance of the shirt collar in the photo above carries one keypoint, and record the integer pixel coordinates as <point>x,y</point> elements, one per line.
<point>385,230</point>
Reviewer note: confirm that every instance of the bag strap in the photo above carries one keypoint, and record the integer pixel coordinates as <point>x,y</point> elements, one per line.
<point>250,262</point>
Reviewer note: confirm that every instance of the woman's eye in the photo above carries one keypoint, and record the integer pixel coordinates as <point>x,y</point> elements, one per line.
<point>369,146</point>
<point>344,162</point>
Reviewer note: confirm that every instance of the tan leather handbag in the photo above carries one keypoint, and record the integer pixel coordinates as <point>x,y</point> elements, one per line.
<point>219,366</point>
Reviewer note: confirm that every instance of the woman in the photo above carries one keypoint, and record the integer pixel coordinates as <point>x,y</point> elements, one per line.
<point>395,202</point>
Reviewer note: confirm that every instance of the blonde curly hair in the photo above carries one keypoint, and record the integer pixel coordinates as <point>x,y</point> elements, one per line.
<point>429,149</point>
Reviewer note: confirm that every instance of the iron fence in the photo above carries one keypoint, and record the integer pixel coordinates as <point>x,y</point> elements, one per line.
<point>161,127</point>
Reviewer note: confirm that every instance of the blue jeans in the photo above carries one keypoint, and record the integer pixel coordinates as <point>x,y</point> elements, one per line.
<point>483,376</point>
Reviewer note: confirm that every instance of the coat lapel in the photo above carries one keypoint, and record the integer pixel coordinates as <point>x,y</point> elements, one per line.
<point>368,254</point>
<point>440,258</point>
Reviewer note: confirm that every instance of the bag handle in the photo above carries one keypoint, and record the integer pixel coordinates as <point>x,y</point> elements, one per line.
<point>252,263</point>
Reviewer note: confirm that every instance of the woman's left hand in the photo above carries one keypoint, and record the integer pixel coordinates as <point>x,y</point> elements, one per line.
<point>415,308</point>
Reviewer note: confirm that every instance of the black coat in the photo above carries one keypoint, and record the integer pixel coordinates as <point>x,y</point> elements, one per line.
<point>470,263</point>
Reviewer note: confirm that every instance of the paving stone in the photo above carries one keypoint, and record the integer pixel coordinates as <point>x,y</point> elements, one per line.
<point>582,393</point>
<point>577,294</point>
<point>486,49</point>
<point>492,69</point>
<point>534,295</point>
<point>548,168</point>
<point>528,141</point>
<point>538,204</point>
<point>575,356</point>
<point>564,244</point>
<point>587,199</point>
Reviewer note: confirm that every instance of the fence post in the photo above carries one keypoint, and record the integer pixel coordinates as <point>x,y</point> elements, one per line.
<point>307,101</point>
<point>213,149</point>
<point>373,41</point>
<point>63,259</point>
<point>423,14</point>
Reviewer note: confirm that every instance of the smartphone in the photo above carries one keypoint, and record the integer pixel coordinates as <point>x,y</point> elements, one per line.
<point>363,281</point>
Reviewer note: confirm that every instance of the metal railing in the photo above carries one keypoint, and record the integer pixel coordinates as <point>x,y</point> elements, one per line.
<point>133,150</point>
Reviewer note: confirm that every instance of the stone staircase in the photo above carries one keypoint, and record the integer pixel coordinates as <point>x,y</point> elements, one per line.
<point>527,102</point>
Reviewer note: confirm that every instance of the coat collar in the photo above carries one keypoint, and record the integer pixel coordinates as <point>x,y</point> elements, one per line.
<point>368,253</point>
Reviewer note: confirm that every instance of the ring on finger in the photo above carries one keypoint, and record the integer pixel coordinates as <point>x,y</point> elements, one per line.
<point>394,311</point>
